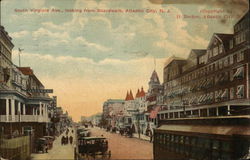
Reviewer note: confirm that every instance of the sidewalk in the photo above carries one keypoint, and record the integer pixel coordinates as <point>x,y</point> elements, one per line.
<point>58,152</point>
<point>143,137</point>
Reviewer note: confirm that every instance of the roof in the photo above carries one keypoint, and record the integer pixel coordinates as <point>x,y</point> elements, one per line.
<point>91,138</point>
<point>26,70</point>
<point>199,52</point>
<point>173,58</point>
<point>207,129</point>
<point>223,38</point>
<point>140,93</point>
<point>154,77</point>
<point>129,96</point>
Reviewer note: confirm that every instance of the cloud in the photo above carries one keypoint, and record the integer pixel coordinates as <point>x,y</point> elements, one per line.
<point>99,47</point>
<point>19,34</point>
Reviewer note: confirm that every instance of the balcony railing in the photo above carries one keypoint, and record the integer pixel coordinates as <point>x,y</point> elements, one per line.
<point>24,118</point>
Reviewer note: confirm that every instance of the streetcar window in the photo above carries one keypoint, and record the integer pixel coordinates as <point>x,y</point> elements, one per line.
<point>215,154</point>
<point>225,146</point>
<point>172,138</point>
<point>193,141</point>
<point>186,140</point>
<point>200,142</point>
<point>176,139</point>
<point>215,144</point>
<point>181,139</point>
<point>225,156</point>
<point>207,143</point>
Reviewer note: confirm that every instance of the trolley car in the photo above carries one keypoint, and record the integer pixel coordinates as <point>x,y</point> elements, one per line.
<point>210,138</point>
<point>93,147</point>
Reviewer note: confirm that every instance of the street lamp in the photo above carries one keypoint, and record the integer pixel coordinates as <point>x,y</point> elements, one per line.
<point>138,123</point>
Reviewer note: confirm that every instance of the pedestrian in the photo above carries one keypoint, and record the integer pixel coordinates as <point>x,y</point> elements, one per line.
<point>62,140</point>
<point>71,139</point>
<point>151,136</point>
<point>66,140</point>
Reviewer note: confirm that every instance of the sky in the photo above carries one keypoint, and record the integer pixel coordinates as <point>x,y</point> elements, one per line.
<point>89,57</point>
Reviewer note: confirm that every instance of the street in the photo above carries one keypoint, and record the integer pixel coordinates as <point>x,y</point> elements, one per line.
<point>121,147</point>
<point>125,148</point>
<point>58,152</point>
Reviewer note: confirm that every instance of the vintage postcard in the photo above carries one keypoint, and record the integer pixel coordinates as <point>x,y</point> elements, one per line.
<point>124,80</point>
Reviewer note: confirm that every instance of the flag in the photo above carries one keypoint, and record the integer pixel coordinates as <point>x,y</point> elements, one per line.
<point>153,113</point>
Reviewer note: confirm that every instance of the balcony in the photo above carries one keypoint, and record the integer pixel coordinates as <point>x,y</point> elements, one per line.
<point>24,118</point>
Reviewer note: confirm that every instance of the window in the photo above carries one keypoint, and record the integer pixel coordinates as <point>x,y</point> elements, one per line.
<point>220,48</point>
<point>215,51</point>
<point>240,91</point>
<point>240,56</point>
<point>209,53</point>
<point>231,59</point>
<point>220,64</point>
<point>239,73</point>
<point>225,62</point>
<point>216,66</point>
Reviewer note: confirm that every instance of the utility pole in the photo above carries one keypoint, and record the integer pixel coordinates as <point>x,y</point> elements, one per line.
<point>19,53</point>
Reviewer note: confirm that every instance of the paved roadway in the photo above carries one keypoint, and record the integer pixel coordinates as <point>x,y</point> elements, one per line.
<point>58,152</point>
<point>125,148</point>
<point>121,147</point>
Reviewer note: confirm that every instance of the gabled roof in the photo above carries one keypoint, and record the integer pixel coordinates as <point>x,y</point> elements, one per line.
<point>223,38</point>
<point>26,70</point>
<point>198,52</point>
<point>140,93</point>
<point>172,59</point>
<point>129,96</point>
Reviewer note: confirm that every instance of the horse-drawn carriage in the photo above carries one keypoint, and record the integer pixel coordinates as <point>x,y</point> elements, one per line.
<point>93,147</point>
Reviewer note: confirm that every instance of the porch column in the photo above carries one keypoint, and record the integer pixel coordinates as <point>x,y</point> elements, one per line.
<point>228,110</point>
<point>7,110</point>
<point>33,111</point>
<point>207,112</point>
<point>217,111</point>
<point>44,110</point>
<point>40,108</point>
<point>19,111</point>
<point>199,112</point>
<point>24,109</point>
<point>179,114</point>
<point>13,109</point>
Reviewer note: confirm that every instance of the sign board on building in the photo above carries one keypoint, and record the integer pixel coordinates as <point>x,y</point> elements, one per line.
<point>40,90</point>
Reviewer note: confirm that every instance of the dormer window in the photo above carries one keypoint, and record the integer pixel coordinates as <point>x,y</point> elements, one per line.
<point>215,51</point>
<point>220,48</point>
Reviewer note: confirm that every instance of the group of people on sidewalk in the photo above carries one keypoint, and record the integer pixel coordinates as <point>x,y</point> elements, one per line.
<point>67,139</point>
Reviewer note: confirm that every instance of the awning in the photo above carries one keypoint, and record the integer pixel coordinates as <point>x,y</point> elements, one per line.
<point>207,129</point>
